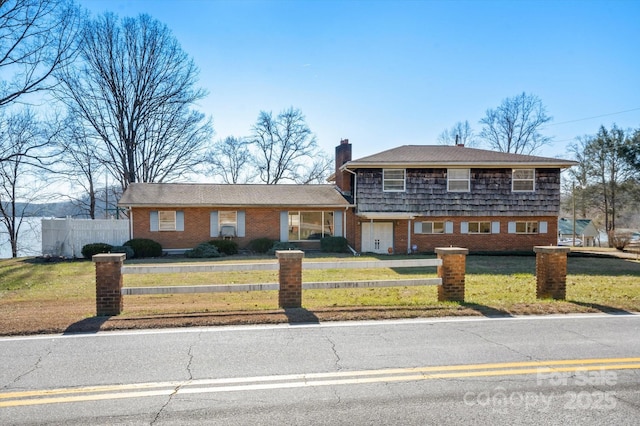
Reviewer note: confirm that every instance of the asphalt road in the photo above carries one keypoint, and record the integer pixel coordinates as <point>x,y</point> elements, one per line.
<point>528,370</point>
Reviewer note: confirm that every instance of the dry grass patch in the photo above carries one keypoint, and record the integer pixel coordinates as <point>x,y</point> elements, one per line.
<point>53,297</point>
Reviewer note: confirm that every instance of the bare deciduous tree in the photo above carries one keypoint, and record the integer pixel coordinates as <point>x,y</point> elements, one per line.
<point>281,144</point>
<point>80,163</point>
<point>317,172</point>
<point>134,89</point>
<point>229,159</point>
<point>24,138</point>
<point>514,126</point>
<point>36,38</point>
<point>459,133</point>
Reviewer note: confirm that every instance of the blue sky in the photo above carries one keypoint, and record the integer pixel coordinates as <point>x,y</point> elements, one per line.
<point>390,73</point>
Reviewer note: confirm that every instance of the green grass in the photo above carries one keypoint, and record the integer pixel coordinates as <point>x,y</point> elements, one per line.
<point>494,284</point>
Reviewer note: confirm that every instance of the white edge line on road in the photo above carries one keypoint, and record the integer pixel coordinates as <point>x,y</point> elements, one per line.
<point>328,324</point>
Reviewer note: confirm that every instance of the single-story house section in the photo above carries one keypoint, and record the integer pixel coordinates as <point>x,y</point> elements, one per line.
<point>586,231</point>
<point>182,215</point>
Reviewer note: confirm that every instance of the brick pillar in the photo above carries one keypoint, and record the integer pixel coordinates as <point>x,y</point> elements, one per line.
<point>551,272</point>
<point>452,272</point>
<point>290,275</point>
<point>109,283</point>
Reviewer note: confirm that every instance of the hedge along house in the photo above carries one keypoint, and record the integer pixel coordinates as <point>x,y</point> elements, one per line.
<point>181,216</point>
<point>415,198</point>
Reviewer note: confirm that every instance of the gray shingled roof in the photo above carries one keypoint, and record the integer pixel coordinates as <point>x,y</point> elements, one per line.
<point>444,156</point>
<point>222,195</point>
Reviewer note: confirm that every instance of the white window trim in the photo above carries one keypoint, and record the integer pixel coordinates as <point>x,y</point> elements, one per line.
<point>527,223</point>
<point>514,180</point>
<point>404,180</point>
<point>299,213</point>
<point>469,231</point>
<point>433,227</point>
<point>168,222</point>
<point>468,180</point>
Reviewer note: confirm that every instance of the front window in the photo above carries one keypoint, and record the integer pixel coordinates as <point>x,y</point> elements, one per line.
<point>479,227</point>
<point>433,227</point>
<point>526,227</point>
<point>166,220</point>
<point>227,223</point>
<point>310,225</point>
<point>523,180</point>
<point>393,179</point>
<point>458,180</point>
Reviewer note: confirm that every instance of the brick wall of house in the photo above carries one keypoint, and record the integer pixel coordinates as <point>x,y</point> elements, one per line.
<point>259,223</point>
<point>502,241</point>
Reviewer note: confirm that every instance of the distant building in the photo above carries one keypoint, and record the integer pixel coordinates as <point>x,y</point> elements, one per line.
<point>586,231</point>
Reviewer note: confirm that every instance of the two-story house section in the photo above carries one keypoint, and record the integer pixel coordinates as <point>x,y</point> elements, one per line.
<point>417,197</point>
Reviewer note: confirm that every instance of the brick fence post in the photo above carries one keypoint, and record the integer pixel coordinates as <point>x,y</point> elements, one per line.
<point>109,283</point>
<point>551,272</point>
<point>452,273</point>
<point>290,277</point>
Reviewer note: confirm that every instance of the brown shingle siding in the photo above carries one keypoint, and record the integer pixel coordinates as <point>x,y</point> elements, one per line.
<point>490,194</point>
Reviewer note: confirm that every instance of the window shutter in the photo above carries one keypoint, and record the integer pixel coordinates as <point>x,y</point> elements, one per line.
<point>464,227</point>
<point>337,223</point>
<point>448,227</point>
<point>417,228</point>
<point>179,221</point>
<point>542,228</point>
<point>154,222</point>
<point>512,227</point>
<point>284,226</point>
<point>495,227</point>
<point>213,224</point>
<point>240,215</point>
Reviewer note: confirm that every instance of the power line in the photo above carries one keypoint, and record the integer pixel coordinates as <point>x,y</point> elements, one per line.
<point>591,118</point>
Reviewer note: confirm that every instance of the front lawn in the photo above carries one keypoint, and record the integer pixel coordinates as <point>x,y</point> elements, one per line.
<point>40,297</point>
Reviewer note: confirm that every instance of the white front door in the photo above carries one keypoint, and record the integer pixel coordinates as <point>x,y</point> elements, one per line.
<point>377,237</point>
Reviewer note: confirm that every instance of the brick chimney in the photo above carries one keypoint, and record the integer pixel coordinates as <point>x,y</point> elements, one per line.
<point>343,155</point>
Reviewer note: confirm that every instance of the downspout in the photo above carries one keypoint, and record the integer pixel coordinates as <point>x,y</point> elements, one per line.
<point>130,223</point>
<point>409,237</point>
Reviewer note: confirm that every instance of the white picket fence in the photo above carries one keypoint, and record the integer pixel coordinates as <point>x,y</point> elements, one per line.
<point>66,237</point>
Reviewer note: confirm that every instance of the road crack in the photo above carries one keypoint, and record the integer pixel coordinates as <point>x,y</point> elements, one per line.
<point>179,386</point>
<point>35,365</point>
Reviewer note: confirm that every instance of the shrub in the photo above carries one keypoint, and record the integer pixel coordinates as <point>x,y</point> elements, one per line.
<point>279,245</point>
<point>334,245</point>
<point>619,240</point>
<point>261,245</point>
<point>203,250</point>
<point>95,248</point>
<point>225,246</point>
<point>123,249</point>
<point>143,247</point>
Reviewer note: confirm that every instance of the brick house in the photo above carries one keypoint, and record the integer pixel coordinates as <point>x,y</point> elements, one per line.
<point>417,197</point>
<point>180,216</point>
<point>408,199</point>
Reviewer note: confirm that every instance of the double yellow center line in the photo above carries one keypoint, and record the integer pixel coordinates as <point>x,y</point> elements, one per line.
<point>139,390</point>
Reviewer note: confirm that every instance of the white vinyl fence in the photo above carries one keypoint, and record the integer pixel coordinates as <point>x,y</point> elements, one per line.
<point>66,237</point>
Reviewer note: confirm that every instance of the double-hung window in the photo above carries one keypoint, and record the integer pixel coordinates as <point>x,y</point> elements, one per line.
<point>166,220</point>
<point>228,223</point>
<point>393,180</point>
<point>523,180</point>
<point>458,180</point>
